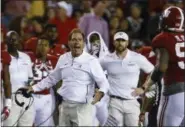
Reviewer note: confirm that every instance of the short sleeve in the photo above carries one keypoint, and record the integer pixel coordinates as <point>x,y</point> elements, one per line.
<point>158,41</point>
<point>144,64</point>
<point>6,58</point>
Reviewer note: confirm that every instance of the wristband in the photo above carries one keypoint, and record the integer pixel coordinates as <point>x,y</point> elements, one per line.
<point>156,75</point>
<point>8,103</point>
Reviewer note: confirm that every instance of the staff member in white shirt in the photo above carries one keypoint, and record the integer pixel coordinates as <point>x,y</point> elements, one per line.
<point>79,71</point>
<point>20,71</point>
<point>123,69</point>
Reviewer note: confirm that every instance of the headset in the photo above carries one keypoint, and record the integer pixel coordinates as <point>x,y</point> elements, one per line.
<point>23,91</point>
<point>25,94</point>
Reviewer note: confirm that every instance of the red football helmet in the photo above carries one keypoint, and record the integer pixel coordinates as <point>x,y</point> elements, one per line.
<point>172,19</point>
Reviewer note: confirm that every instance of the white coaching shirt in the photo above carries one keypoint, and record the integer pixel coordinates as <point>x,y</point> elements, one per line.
<point>20,71</point>
<point>78,76</point>
<point>123,74</point>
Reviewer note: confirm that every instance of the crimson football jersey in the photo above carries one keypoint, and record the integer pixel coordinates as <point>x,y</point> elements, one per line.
<point>174,44</point>
<point>42,69</point>
<point>148,53</point>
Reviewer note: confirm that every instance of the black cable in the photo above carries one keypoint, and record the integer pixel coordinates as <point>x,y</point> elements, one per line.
<point>31,102</point>
<point>26,108</point>
<point>30,106</point>
<point>19,118</point>
<point>47,118</point>
<point>50,115</point>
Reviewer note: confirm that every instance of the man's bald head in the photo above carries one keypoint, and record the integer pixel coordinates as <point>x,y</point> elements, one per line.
<point>12,40</point>
<point>10,34</point>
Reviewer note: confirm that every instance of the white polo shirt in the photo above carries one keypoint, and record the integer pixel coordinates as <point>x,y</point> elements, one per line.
<point>123,74</point>
<point>20,71</point>
<point>78,77</point>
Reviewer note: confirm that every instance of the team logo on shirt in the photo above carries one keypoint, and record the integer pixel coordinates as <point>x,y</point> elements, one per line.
<point>131,64</point>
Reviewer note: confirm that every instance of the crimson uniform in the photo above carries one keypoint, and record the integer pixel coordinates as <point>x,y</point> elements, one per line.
<point>44,101</point>
<point>171,109</point>
<point>174,44</point>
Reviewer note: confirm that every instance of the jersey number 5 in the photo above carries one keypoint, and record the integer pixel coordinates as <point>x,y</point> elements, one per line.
<point>180,53</point>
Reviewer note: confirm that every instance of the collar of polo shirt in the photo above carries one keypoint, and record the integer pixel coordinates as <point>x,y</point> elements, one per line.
<point>18,52</point>
<point>126,57</point>
<point>78,57</point>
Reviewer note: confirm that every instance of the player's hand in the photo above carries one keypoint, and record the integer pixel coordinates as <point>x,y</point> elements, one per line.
<point>137,92</point>
<point>5,113</point>
<point>30,90</point>
<point>97,97</point>
<point>142,117</point>
<point>26,91</point>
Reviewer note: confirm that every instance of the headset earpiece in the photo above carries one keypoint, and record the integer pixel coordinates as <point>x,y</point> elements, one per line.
<point>16,101</point>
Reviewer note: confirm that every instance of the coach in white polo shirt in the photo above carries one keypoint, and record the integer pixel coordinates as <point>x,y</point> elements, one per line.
<point>123,69</point>
<point>78,71</point>
<point>20,71</point>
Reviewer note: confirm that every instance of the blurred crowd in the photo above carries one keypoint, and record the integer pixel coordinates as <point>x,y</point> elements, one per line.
<point>32,18</point>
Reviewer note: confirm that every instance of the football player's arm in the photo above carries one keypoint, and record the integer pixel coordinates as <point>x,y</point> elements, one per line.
<point>7,85</point>
<point>148,99</point>
<point>141,78</point>
<point>7,89</point>
<point>146,103</point>
<point>156,75</point>
<point>160,68</point>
